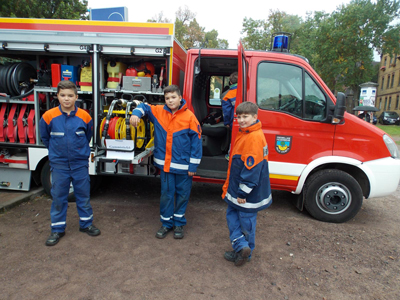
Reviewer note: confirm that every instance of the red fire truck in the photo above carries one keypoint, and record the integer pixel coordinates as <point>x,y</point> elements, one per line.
<point>330,159</point>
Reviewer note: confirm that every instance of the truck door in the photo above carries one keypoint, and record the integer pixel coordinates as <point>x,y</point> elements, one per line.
<point>293,110</point>
<point>241,87</point>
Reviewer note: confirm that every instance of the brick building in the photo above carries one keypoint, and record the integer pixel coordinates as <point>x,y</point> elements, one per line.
<point>388,90</point>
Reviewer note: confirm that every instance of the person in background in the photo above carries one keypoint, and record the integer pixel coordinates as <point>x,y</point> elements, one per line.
<point>228,103</point>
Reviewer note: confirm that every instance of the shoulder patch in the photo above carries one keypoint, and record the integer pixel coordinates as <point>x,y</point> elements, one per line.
<point>250,161</point>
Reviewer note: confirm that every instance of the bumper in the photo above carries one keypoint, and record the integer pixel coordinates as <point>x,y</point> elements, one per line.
<point>383,175</point>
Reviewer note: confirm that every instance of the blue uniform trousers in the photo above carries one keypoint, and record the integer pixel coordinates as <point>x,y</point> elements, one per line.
<point>175,193</point>
<point>242,228</point>
<point>61,180</point>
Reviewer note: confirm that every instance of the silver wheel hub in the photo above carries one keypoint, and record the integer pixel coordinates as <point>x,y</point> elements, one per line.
<point>333,198</point>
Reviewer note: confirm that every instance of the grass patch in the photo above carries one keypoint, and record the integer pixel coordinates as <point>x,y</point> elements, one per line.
<point>392,130</point>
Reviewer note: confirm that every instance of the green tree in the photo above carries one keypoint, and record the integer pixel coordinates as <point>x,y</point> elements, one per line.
<point>49,9</point>
<point>159,19</point>
<point>211,40</point>
<point>258,33</point>
<point>190,34</point>
<point>342,43</point>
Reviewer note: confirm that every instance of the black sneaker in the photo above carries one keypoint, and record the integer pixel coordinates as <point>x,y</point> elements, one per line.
<point>54,238</point>
<point>231,256</point>
<point>90,230</point>
<point>242,256</point>
<point>162,232</point>
<point>178,232</point>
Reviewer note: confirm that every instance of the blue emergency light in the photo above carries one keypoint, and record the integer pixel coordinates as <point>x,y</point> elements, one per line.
<point>280,41</point>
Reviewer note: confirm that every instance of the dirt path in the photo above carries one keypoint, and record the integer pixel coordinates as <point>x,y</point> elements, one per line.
<point>296,257</point>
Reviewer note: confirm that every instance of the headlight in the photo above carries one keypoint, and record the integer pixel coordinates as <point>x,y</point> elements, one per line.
<point>392,147</point>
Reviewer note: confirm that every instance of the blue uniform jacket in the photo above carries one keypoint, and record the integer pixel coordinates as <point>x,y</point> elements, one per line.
<point>67,137</point>
<point>177,137</point>
<point>248,174</point>
<point>228,104</point>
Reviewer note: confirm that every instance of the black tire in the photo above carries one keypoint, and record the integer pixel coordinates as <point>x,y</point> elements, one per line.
<point>45,178</point>
<point>326,185</point>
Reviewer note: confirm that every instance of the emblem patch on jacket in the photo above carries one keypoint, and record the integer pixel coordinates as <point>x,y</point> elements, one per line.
<point>250,162</point>
<point>283,144</point>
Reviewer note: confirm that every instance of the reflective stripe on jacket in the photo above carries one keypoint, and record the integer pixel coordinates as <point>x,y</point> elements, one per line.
<point>177,137</point>
<point>67,137</point>
<point>248,174</point>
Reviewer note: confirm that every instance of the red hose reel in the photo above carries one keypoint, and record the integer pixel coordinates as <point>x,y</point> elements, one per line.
<point>17,123</point>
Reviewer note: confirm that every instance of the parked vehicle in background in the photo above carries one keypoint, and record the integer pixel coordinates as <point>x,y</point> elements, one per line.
<point>389,118</point>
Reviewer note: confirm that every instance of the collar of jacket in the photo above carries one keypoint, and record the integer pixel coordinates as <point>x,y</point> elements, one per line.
<point>254,127</point>
<point>233,86</point>
<point>72,113</point>
<point>182,107</point>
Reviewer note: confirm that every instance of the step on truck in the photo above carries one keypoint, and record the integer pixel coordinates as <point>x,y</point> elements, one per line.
<point>330,159</point>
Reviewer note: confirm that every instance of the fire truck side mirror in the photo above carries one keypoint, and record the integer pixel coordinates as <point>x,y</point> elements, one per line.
<point>340,108</point>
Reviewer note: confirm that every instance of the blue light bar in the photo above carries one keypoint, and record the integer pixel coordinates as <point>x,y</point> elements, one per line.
<point>281,43</point>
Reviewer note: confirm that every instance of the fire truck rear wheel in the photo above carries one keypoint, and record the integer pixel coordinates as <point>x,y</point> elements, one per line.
<point>333,196</point>
<point>95,182</point>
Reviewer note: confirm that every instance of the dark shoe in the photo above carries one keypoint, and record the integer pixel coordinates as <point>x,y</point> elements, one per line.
<point>54,238</point>
<point>242,256</point>
<point>231,256</point>
<point>91,230</point>
<point>178,232</point>
<point>162,232</point>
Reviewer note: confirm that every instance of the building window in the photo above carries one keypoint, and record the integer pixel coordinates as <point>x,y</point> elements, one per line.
<point>383,82</point>
<point>387,84</point>
<point>397,102</point>
<point>391,84</point>
<point>384,64</point>
<point>385,103</point>
<point>380,103</point>
<point>399,79</point>
<point>390,103</point>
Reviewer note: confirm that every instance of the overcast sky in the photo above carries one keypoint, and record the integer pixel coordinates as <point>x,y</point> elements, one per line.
<point>223,16</point>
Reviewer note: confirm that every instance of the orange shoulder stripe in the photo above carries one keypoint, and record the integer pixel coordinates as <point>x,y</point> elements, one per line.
<point>51,114</point>
<point>83,115</point>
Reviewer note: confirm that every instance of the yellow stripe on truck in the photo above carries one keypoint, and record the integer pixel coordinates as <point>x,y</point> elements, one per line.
<point>283,177</point>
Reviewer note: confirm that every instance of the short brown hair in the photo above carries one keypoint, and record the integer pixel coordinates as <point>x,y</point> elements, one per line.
<point>233,78</point>
<point>247,108</point>
<point>67,85</point>
<point>172,89</point>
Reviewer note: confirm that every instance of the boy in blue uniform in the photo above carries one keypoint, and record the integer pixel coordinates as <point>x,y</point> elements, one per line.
<point>177,153</point>
<point>66,131</point>
<point>247,188</point>
<point>228,104</point>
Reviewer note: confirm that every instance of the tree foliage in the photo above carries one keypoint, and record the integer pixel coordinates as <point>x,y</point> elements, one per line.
<point>339,45</point>
<point>159,18</point>
<point>49,9</point>
<point>190,34</point>
<point>258,33</point>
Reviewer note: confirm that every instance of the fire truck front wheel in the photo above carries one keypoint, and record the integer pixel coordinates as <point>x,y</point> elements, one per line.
<point>333,196</point>
<point>45,177</point>
<point>95,182</point>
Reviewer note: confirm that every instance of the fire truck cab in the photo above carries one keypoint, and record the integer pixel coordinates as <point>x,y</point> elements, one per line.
<point>327,157</point>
